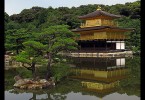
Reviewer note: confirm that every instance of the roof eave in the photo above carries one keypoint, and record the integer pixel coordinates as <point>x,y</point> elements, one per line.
<point>83,17</point>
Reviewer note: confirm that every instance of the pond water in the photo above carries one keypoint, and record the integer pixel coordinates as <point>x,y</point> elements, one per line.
<point>92,79</point>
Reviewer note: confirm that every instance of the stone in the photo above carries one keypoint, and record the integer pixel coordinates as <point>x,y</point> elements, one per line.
<point>19,83</point>
<point>43,81</point>
<point>23,87</point>
<point>16,78</point>
<point>33,84</point>
<point>45,85</point>
<point>37,78</point>
<point>28,81</point>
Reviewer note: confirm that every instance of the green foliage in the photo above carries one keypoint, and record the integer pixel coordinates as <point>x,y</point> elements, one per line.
<point>71,20</point>
<point>57,38</point>
<point>131,85</point>
<point>38,30</point>
<point>24,72</point>
<point>7,18</point>
<point>34,47</point>
<point>33,50</point>
<point>134,42</point>
<point>37,19</point>
<point>23,57</point>
<point>60,70</point>
<point>45,17</point>
<point>27,15</point>
<point>9,78</point>
<point>14,39</point>
<point>12,25</point>
<point>129,9</point>
<point>42,18</point>
<point>11,73</point>
<point>31,55</point>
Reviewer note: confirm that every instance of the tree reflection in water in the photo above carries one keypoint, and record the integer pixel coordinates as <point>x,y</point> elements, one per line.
<point>129,85</point>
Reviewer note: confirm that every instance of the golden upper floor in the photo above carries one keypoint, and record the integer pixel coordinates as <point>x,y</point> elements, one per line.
<point>99,18</point>
<point>99,22</point>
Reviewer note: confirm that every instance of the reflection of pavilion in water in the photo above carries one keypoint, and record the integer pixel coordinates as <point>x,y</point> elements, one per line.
<point>101,75</point>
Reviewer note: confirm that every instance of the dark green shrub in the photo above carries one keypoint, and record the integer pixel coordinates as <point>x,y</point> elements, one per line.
<point>60,70</point>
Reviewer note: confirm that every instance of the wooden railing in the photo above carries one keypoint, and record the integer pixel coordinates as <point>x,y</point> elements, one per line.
<point>103,35</point>
<point>102,22</point>
<point>100,86</point>
<point>102,74</point>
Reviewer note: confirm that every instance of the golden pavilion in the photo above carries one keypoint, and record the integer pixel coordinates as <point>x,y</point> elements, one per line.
<point>106,70</point>
<point>101,75</point>
<point>100,32</point>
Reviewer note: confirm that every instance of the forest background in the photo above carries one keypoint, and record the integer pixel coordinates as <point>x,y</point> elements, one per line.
<point>19,27</point>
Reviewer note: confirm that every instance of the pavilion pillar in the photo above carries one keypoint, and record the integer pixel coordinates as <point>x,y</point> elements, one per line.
<point>94,45</point>
<point>106,45</point>
<point>80,46</point>
<point>111,45</point>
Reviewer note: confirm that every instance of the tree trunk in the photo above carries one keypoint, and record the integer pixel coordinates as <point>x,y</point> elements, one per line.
<point>17,48</point>
<point>33,70</point>
<point>34,97</point>
<point>48,75</point>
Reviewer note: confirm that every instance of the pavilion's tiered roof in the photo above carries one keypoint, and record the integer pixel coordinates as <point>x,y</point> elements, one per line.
<point>101,28</point>
<point>98,13</point>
